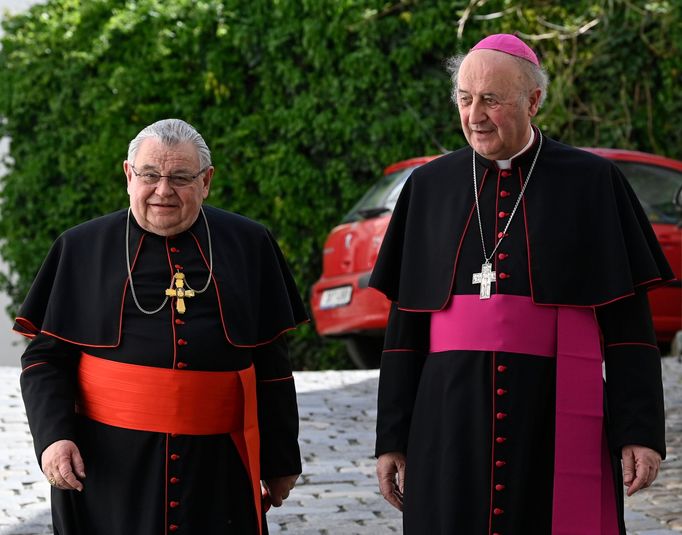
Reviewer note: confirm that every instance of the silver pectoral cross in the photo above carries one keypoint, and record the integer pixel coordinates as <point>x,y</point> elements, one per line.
<point>485,278</point>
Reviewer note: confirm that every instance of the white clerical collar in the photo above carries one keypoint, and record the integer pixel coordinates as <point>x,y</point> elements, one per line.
<point>506,164</point>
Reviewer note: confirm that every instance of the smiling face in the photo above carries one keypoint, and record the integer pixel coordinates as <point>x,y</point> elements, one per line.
<point>160,208</point>
<point>496,101</point>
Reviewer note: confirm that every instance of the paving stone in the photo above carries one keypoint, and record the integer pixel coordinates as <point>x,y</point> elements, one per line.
<point>337,493</point>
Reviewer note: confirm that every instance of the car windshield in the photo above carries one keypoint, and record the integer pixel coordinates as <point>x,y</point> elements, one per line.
<point>381,198</point>
<point>655,187</point>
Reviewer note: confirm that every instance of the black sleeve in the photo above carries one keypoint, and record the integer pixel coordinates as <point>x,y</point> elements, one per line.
<point>634,393</point>
<point>405,348</point>
<point>49,388</point>
<point>277,410</point>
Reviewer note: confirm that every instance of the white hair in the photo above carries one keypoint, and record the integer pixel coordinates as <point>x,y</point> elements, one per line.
<point>172,132</point>
<point>534,74</point>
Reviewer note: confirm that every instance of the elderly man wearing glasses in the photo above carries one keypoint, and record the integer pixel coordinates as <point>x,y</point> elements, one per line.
<point>157,363</point>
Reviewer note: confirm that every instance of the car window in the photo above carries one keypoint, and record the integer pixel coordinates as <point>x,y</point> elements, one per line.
<point>381,198</point>
<point>392,198</point>
<point>655,187</point>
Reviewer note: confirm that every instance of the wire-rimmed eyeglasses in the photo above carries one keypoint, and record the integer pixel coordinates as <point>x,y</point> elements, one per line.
<point>176,180</point>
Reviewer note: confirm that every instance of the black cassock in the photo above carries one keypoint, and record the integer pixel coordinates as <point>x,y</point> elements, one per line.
<point>141,482</point>
<point>478,427</point>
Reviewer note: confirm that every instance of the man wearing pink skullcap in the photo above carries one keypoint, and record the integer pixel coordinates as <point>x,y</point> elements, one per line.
<point>517,267</point>
<point>509,44</point>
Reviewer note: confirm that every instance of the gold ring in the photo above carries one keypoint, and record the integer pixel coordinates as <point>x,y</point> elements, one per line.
<point>52,481</point>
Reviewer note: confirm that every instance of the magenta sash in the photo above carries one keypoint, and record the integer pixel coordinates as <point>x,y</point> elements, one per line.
<point>583,501</point>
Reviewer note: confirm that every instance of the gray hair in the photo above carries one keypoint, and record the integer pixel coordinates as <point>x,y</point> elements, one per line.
<point>172,132</point>
<point>534,74</point>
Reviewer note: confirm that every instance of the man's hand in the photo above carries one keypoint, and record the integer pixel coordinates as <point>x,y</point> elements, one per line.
<point>391,476</point>
<point>640,467</point>
<point>278,489</point>
<point>62,463</point>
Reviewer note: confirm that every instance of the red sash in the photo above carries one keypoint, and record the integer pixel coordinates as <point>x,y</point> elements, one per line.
<point>584,502</point>
<point>162,400</point>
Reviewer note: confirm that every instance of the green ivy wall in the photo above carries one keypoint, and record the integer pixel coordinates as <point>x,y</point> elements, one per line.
<point>303,102</point>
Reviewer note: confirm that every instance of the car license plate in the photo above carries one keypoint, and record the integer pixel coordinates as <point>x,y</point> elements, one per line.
<point>336,297</point>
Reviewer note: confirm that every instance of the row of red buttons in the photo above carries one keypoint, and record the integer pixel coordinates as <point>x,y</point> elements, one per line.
<point>174,480</point>
<point>181,341</point>
<point>500,416</point>
<point>497,511</point>
<point>501,215</point>
<point>174,504</point>
<point>178,321</point>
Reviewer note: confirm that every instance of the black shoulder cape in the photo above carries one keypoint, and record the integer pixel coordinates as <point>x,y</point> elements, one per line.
<point>79,292</point>
<point>589,240</point>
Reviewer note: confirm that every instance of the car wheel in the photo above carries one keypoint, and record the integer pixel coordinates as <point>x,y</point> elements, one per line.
<point>365,351</point>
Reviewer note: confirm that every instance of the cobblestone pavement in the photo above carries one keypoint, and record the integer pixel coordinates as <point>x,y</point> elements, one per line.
<point>337,493</point>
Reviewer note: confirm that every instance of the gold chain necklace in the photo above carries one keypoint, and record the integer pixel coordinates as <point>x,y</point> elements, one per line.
<point>178,291</point>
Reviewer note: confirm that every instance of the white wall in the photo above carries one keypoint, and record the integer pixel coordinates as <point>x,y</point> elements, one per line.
<point>14,6</point>
<point>11,344</point>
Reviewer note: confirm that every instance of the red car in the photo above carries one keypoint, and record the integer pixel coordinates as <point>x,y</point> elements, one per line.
<point>344,307</point>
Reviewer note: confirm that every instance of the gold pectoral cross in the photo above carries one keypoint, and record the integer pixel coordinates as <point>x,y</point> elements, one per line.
<point>179,292</point>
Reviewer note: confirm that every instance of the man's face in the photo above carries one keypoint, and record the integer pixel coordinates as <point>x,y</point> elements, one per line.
<point>160,208</point>
<point>495,104</point>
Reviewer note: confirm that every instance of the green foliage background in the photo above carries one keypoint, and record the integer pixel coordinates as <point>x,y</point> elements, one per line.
<point>303,102</point>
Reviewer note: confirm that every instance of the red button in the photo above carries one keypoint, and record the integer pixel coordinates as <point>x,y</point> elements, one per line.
<point>501,368</point>
<point>174,250</point>
<point>174,504</point>
<point>499,487</point>
<point>501,391</point>
<point>182,342</point>
<point>174,457</point>
<point>174,480</point>
<point>174,435</point>
<point>179,322</point>
<point>182,365</point>
<point>505,173</point>
<point>501,440</point>
<point>504,193</point>
<point>502,214</point>
<point>505,275</point>
<point>501,256</point>
<point>501,415</point>
<point>173,527</point>
<point>498,511</point>
<point>178,266</point>
<point>502,234</point>
<point>500,464</point>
